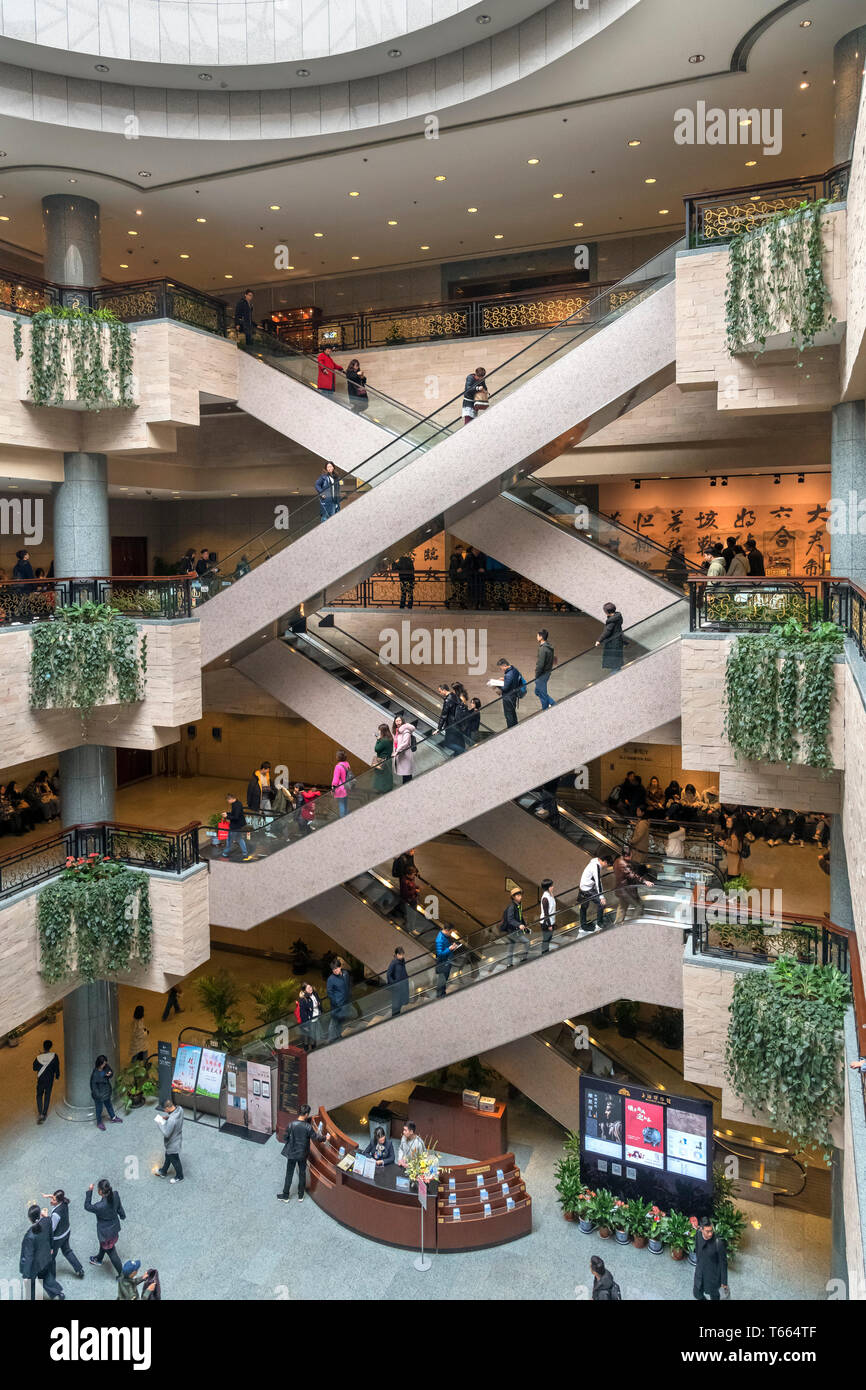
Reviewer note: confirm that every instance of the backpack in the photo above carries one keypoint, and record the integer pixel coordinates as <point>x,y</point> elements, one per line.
<point>745,849</point>
<point>520,689</point>
<point>413,743</point>
<point>503,923</point>
<point>615,1293</point>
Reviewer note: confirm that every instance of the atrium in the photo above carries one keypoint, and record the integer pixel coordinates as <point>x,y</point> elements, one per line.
<point>433,656</point>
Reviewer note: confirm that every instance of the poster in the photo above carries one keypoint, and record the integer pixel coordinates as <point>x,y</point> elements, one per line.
<point>186,1069</point>
<point>602,1123</point>
<point>687,1144</point>
<point>259,1115</point>
<point>644,1128</point>
<point>210,1073</point>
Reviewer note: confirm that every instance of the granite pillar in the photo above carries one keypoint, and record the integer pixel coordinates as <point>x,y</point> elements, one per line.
<point>848,488</point>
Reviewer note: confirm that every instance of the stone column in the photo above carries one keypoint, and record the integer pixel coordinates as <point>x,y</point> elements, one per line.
<point>70,229</point>
<point>842,913</point>
<point>82,535</point>
<point>848,62</point>
<point>848,486</point>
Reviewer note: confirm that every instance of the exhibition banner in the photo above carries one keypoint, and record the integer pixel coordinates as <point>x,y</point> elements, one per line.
<point>210,1073</point>
<point>186,1069</point>
<point>639,1142</point>
<point>259,1104</point>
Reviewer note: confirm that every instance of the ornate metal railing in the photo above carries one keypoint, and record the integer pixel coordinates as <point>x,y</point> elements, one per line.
<point>492,589</point>
<point>747,935</point>
<point>757,603</point>
<point>140,846</point>
<point>134,302</point>
<point>714,218</point>
<point>138,596</point>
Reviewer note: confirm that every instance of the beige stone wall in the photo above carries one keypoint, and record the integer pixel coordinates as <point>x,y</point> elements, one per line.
<point>743,384</point>
<point>704,743</point>
<point>173,697</point>
<point>854,362</point>
<point>854,805</point>
<point>707,993</point>
<point>181,941</point>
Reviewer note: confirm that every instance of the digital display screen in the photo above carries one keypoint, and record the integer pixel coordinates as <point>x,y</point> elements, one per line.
<point>642,1142</point>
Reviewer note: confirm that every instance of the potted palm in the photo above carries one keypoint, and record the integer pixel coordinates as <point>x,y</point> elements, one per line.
<point>677,1233</point>
<point>638,1220</point>
<point>620,1222</point>
<point>656,1240</point>
<point>219,994</point>
<point>600,1209</point>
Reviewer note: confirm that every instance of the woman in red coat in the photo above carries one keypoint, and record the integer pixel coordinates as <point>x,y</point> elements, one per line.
<point>327,366</point>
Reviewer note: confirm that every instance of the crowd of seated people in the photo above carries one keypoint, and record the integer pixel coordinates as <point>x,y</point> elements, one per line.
<point>21,811</point>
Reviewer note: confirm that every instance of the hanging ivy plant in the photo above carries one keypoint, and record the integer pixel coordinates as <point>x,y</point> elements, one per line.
<point>94,921</point>
<point>776,281</point>
<point>784,1046</point>
<point>88,655</point>
<point>100,372</point>
<point>777,684</point>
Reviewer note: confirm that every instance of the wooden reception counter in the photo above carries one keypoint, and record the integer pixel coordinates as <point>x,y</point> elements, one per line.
<point>455,1128</point>
<point>378,1209</point>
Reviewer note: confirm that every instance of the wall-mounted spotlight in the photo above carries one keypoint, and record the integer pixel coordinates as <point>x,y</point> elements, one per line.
<point>724,482</point>
<point>712,482</point>
<point>777,479</point>
<point>636,482</point>
<point>801,477</point>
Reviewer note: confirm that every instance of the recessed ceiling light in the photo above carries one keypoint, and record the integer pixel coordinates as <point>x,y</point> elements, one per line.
<point>395,53</point>
<point>302,72</point>
<point>533,161</point>
<point>440,178</point>
<point>72,180</point>
<point>100,67</point>
<point>497,236</point>
<point>471,209</point>
<point>184,255</point>
<point>2,154</point>
<point>805,24</point>
<point>138,212</point>
<point>392,222</point>
<point>633,143</point>
<point>803,86</point>
<point>482,19</point>
<point>559,195</point>
<point>228,277</point>
<point>205,77</point>
<point>750,163</point>
<point>697,58</point>
<point>248,245</point>
<point>423,248</point>
<point>144,173</point>
<point>130,233</point>
<point>123,265</point>
<point>318,233</point>
<point>4,218</point>
<point>356,258</point>
<point>275,207</point>
<point>649,180</point>
<point>577,224</point>
<point>354,195</point>
<point>201,219</point>
<point>663,212</point>
<point>288,267</point>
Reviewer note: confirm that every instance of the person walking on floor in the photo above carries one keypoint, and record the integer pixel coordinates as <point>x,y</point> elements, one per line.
<point>128,1281</point>
<point>60,1230</point>
<point>445,947</point>
<point>328,488</point>
<point>605,1289</point>
<point>139,1036</point>
<point>340,779</point>
<point>611,639</point>
<point>404,749</point>
<point>398,981</point>
<point>170,1121</point>
<point>100,1090</point>
<point>37,1259</point>
<point>548,914</point>
<point>544,664</point>
<point>109,1213</point>
<point>514,927</point>
<point>296,1151</point>
<point>711,1267</point>
<point>46,1065</point>
<point>237,825</point>
<point>591,891</point>
<point>172,1003</point>
<point>339,987</point>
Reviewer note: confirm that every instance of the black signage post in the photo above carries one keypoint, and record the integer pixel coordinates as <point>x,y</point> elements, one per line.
<point>165,1070</point>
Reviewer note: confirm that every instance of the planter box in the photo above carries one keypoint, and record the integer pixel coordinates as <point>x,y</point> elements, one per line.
<point>70,401</point>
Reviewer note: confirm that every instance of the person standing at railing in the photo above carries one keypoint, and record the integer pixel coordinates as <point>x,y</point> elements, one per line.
<point>328,488</point>
<point>739,564</point>
<point>755,558</point>
<point>676,569</point>
<point>717,568</point>
<point>356,383</point>
<point>405,569</point>
<point>244,316</point>
<point>326,380</point>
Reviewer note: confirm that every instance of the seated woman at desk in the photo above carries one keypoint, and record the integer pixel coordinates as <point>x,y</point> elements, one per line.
<point>380,1149</point>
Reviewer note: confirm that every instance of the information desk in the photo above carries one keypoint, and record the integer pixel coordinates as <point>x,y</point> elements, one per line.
<point>378,1209</point>
<point>456,1128</point>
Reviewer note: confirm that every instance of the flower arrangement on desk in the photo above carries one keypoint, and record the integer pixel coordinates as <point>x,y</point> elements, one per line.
<point>423,1165</point>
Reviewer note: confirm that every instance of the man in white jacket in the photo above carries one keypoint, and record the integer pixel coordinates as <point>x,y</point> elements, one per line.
<point>590,890</point>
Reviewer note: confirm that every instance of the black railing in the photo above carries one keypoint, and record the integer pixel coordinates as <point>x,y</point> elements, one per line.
<point>503,590</point>
<point>748,933</point>
<point>715,218</point>
<point>142,847</point>
<point>757,603</point>
<point>133,302</point>
<point>136,596</point>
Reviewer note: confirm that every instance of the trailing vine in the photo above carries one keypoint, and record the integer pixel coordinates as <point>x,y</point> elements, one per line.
<point>87,656</point>
<point>776,280</point>
<point>779,684</point>
<point>784,1044</point>
<point>94,921</point>
<point>100,371</point>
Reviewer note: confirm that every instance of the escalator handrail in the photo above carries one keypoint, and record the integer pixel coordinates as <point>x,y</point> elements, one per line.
<point>288,350</point>
<point>335,651</point>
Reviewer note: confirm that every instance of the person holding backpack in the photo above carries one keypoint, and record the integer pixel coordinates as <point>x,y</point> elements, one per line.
<point>404,748</point>
<point>605,1289</point>
<point>514,927</point>
<point>512,687</point>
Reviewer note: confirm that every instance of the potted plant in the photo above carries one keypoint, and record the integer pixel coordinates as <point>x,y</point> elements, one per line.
<point>677,1233</point>
<point>301,958</point>
<point>600,1209</point>
<point>729,1223</point>
<point>626,1013</point>
<point>213,826</point>
<point>569,1188</point>
<point>584,1221</point>
<point>692,1251</point>
<point>656,1240</point>
<point>219,994</point>
<point>620,1222</point>
<point>638,1220</point>
<point>134,1084</point>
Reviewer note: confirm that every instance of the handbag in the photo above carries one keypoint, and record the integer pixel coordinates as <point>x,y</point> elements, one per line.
<point>413,743</point>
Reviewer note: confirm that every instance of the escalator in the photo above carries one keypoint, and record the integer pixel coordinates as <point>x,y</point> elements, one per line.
<point>592,373</point>
<point>594,713</point>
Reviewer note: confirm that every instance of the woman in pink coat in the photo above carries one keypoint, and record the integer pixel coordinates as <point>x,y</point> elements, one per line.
<point>339,782</point>
<point>404,756</point>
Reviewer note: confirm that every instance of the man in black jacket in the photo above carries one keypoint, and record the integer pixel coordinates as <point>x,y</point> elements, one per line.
<point>47,1068</point>
<point>244,315</point>
<point>37,1254</point>
<point>296,1151</point>
<point>711,1270</point>
<point>543,667</point>
<point>398,981</point>
<point>514,927</point>
<point>755,558</point>
<point>405,568</point>
<point>237,825</point>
